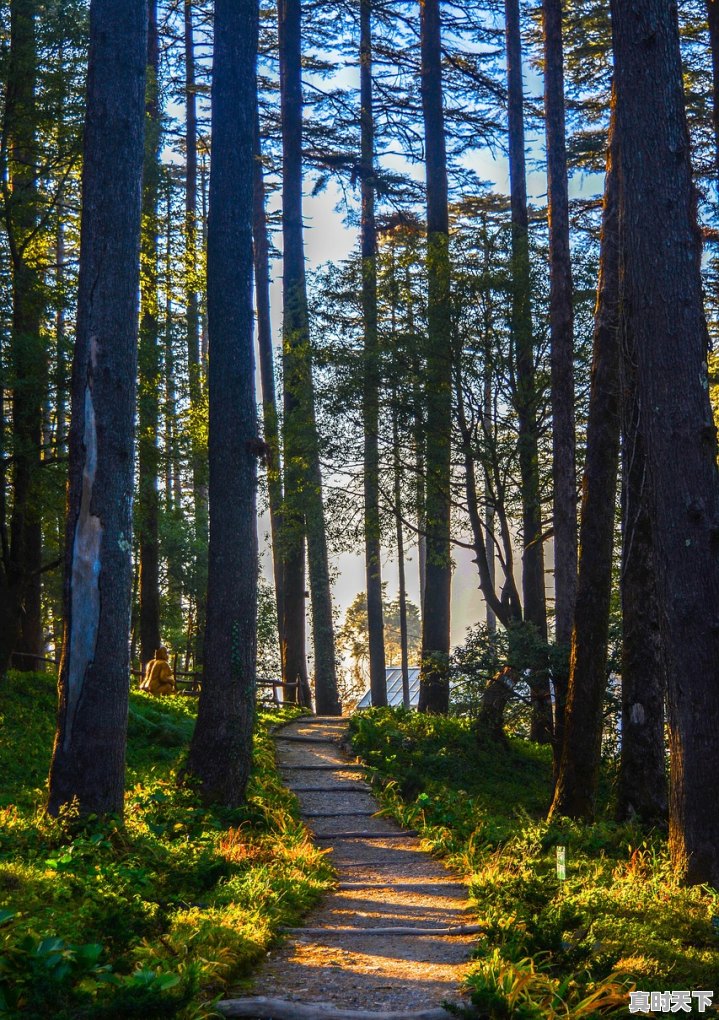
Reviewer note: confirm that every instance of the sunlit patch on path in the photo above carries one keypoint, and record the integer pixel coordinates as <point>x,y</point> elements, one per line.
<point>395,936</point>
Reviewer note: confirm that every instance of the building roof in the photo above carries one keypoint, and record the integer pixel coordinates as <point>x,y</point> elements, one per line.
<point>394,688</point>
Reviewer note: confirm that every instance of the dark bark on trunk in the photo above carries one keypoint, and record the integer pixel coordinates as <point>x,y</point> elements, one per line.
<point>371,381</point>
<point>89,753</point>
<point>576,785</point>
<point>662,301</point>
<point>295,316</point>
<point>28,356</point>
<point>61,398</point>
<point>404,653</point>
<point>489,513</point>
<point>713,18</point>
<point>267,375</point>
<point>303,512</point>
<point>221,749</point>
<point>149,363</point>
<point>199,469</point>
<point>498,694</point>
<point>419,435</point>
<point>434,676</point>
<point>535,607</point>
<point>561,320</point>
<point>642,791</point>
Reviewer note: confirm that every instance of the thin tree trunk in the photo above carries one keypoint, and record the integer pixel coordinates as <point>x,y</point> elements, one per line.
<point>404,654</point>
<point>221,749</point>
<point>713,19</point>
<point>642,788</point>
<point>172,447</point>
<point>173,482</point>
<point>535,607</point>
<point>61,396</point>
<point>577,778</point>
<point>149,364</point>
<point>199,469</point>
<point>303,511</point>
<point>371,381</point>
<point>434,676</point>
<point>28,355</point>
<point>294,335</point>
<point>419,449</point>
<point>89,754</point>
<point>500,610</point>
<point>267,375</point>
<point>662,301</point>
<point>327,700</point>
<point>561,321</point>
<point>489,515</point>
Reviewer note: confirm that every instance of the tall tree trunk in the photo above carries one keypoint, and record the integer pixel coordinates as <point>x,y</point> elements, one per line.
<point>489,512</point>
<point>61,397</point>
<point>303,511</point>
<point>89,754</point>
<point>535,607</point>
<point>199,469</point>
<point>662,299</point>
<point>371,381</point>
<point>713,19</point>
<point>221,749</point>
<point>267,375</point>
<point>561,320</point>
<point>149,363</point>
<point>419,446</point>
<point>402,595</point>
<point>642,788</point>
<point>434,676</point>
<point>22,626</point>
<point>327,700</point>
<point>173,481</point>
<point>294,336</point>
<point>578,774</point>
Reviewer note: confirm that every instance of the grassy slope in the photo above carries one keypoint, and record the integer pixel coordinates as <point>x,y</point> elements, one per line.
<point>151,918</point>
<point>618,920</point>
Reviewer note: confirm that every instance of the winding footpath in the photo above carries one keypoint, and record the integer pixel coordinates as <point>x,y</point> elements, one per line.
<point>393,940</point>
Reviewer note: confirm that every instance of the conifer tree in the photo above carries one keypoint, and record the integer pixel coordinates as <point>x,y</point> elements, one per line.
<point>88,762</point>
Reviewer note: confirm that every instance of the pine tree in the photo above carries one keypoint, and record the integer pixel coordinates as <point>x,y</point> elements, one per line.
<point>221,748</point>
<point>89,754</point>
<point>434,677</point>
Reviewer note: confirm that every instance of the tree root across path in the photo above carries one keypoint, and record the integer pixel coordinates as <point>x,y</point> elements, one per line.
<point>393,940</point>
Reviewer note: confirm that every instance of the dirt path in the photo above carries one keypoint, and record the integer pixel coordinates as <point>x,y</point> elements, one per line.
<point>386,881</point>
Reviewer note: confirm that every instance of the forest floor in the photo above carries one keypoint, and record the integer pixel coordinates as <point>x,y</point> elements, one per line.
<point>153,916</point>
<point>386,881</point>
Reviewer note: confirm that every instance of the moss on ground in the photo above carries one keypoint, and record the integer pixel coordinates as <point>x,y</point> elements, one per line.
<point>153,917</point>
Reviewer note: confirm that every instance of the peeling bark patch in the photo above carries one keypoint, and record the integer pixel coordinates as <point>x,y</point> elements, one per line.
<point>637,714</point>
<point>85,579</point>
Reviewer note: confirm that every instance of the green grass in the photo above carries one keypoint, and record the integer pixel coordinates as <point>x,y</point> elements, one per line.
<point>554,948</point>
<point>154,917</point>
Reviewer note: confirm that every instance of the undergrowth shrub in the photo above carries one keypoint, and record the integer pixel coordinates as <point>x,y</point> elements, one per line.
<point>571,948</point>
<point>153,916</point>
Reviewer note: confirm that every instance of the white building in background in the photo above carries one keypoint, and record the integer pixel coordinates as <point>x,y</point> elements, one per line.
<point>394,688</point>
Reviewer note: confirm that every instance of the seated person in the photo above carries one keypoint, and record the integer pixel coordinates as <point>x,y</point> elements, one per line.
<point>158,675</point>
